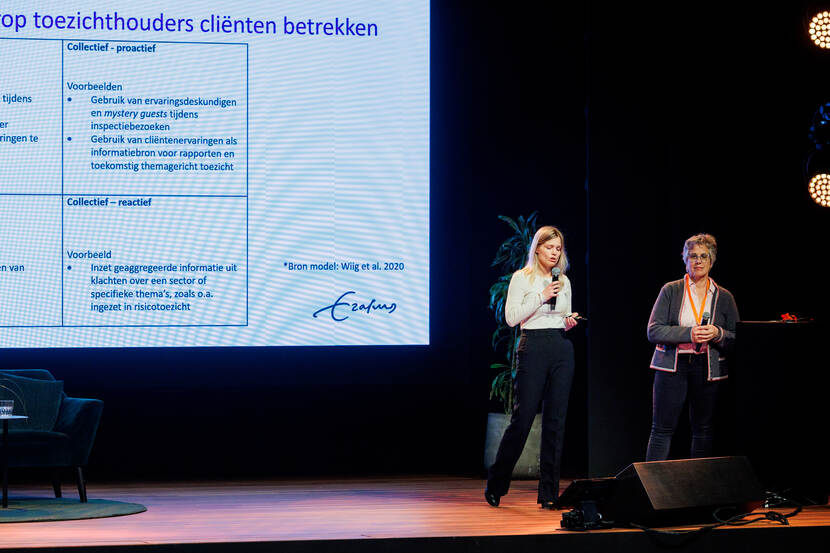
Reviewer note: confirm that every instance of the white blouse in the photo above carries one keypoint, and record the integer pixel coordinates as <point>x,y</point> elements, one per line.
<point>524,302</point>
<point>687,317</point>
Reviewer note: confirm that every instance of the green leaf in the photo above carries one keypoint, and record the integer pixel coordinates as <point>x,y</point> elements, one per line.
<point>510,222</point>
<point>510,257</point>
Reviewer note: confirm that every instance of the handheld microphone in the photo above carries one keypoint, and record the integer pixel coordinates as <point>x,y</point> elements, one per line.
<point>554,278</point>
<point>703,321</point>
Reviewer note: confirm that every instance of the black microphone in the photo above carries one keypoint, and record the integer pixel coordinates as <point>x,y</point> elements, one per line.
<point>554,278</point>
<point>703,321</point>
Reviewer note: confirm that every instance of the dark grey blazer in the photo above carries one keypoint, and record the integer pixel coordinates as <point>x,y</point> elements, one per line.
<point>665,331</point>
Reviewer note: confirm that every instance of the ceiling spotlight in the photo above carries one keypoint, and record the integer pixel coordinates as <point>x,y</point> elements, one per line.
<point>820,29</point>
<point>819,188</point>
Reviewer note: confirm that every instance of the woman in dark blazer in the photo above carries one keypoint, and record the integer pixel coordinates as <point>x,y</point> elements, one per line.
<point>692,325</point>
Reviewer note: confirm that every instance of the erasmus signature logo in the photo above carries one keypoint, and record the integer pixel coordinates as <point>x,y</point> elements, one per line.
<point>339,309</point>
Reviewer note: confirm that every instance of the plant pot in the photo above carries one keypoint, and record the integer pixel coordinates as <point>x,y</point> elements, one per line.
<point>527,467</point>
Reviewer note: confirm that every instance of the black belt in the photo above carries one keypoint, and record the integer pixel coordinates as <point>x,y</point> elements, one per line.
<point>543,331</point>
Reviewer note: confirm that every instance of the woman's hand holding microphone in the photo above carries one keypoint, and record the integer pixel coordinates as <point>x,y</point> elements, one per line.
<point>551,291</point>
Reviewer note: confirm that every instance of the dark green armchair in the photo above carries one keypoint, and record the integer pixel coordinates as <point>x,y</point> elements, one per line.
<point>60,430</point>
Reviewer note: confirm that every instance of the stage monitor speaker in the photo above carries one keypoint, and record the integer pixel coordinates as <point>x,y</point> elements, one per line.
<point>591,489</point>
<point>687,491</point>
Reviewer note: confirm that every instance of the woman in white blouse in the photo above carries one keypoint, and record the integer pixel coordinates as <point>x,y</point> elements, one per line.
<point>541,304</point>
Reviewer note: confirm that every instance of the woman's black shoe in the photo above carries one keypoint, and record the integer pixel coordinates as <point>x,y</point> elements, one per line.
<point>491,498</point>
<point>549,505</point>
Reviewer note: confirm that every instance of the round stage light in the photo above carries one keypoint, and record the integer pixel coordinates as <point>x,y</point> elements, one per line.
<point>820,189</point>
<point>820,29</point>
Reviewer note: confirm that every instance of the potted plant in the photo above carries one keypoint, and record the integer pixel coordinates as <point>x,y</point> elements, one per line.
<point>511,256</point>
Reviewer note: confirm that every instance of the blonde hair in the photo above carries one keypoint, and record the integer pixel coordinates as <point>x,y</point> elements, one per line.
<point>532,267</point>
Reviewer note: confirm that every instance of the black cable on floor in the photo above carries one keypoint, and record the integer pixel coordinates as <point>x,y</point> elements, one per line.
<point>684,537</point>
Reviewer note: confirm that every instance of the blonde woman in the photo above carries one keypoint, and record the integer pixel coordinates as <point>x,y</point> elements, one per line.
<point>541,303</point>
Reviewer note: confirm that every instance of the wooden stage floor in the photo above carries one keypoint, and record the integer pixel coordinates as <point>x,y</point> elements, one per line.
<point>379,514</point>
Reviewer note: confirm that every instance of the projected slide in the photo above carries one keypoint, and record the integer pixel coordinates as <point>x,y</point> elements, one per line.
<point>214,174</point>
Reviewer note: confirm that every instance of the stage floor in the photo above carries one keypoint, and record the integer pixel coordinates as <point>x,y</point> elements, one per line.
<point>416,513</point>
